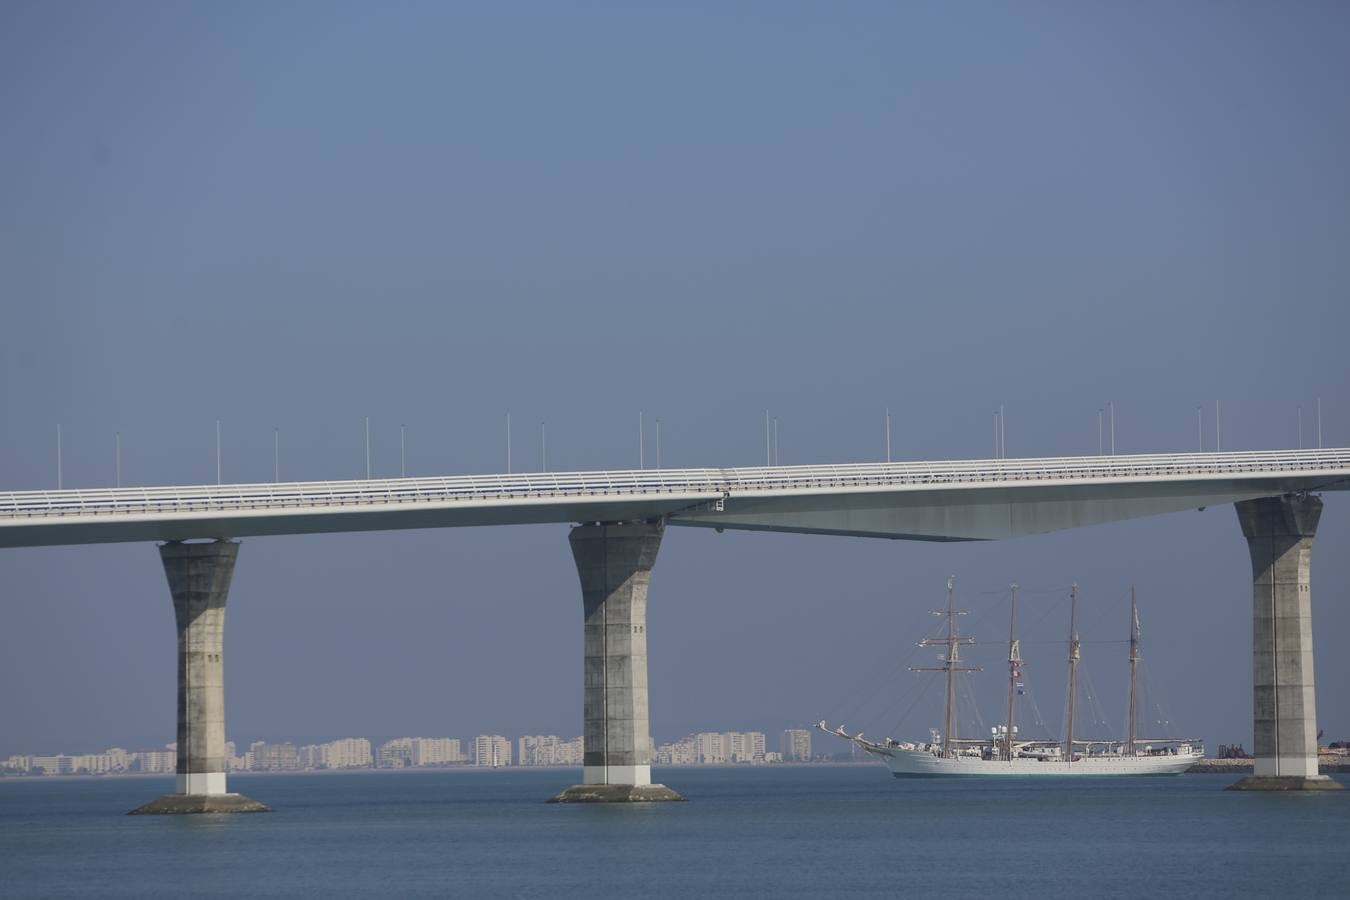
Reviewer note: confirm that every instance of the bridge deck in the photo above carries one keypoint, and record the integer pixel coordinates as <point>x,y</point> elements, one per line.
<point>687,496</point>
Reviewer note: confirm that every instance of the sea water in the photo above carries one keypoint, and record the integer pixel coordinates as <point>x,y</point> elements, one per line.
<point>805,831</point>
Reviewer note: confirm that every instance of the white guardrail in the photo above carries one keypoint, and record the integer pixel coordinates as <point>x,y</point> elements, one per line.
<point>1334,463</point>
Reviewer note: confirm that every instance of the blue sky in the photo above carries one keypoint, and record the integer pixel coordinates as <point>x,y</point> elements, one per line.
<point>298,215</point>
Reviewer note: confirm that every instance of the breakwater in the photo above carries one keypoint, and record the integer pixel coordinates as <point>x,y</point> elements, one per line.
<point>1325,765</point>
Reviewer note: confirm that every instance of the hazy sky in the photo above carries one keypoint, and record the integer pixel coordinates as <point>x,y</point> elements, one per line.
<point>297,215</point>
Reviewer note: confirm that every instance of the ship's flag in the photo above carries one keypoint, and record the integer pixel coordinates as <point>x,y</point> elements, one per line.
<point>1021,693</point>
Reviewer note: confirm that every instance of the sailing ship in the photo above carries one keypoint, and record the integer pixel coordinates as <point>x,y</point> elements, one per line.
<point>1005,752</point>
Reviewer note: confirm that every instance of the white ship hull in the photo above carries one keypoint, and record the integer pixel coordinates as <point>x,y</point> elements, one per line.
<point>1006,753</point>
<point>921,763</point>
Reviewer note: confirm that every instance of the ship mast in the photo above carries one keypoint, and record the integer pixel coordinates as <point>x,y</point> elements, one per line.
<point>1134,665</point>
<point>1014,663</point>
<point>950,662</point>
<point>1074,653</point>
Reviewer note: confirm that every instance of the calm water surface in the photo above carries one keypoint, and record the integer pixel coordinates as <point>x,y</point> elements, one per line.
<point>789,831</point>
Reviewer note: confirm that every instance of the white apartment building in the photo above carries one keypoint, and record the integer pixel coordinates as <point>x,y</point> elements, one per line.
<point>155,760</point>
<point>233,761</point>
<point>491,750</point>
<point>435,751</point>
<point>93,763</point>
<point>743,746</point>
<point>266,757</point>
<point>710,748</point>
<point>419,751</point>
<point>536,749</point>
<point>796,744</point>
<point>754,745</point>
<point>573,752</point>
<point>549,750</point>
<point>19,762</point>
<point>395,754</point>
<point>345,753</point>
<point>60,764</point>
<point>678,753</point>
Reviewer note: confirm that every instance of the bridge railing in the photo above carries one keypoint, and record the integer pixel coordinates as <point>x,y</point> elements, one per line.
<point>692,484</point>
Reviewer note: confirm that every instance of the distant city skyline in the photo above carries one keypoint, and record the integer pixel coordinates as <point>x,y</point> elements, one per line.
<point>484,751</point>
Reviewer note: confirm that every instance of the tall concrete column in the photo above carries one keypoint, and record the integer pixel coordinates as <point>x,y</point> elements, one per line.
<point>1279,532</point>
<point>614,562</point>
<point>199,581</point>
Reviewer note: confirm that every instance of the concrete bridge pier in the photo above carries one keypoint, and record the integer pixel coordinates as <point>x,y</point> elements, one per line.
<point>1279,532</point>
<point>614,562</point>
<point>199,581</point>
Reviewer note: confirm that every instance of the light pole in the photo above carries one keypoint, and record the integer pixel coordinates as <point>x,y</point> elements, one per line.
<point>768,451</point>
<point>1112,405</point>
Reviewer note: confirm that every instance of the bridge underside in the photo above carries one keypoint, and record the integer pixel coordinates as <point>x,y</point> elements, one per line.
<point>380,516</point>
<point>981,514</point>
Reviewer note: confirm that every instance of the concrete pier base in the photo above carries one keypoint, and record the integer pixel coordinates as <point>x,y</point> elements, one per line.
<point>614,563</point>
<point>177,804</point>
<point>199,581</point>
<point>615,793</point>
<point>1280,532</point>
<point>1286,783</point>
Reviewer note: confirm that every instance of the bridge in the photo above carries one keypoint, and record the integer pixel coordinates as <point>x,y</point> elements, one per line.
<point>619,517</point>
